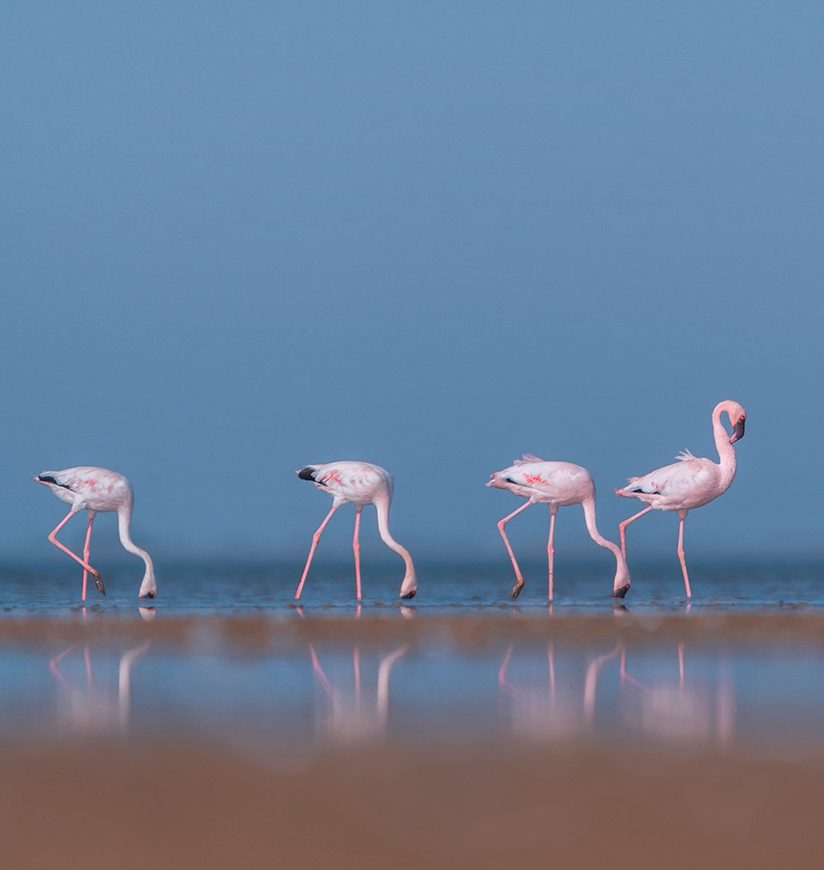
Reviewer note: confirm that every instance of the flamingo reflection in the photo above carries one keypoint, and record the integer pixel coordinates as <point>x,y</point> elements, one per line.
<point>547,713</point>
<point>675,709</point>
<point>350,715</point>
<point>88,706</point>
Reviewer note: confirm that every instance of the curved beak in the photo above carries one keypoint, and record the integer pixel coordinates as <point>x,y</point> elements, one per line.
<point>738,431</point>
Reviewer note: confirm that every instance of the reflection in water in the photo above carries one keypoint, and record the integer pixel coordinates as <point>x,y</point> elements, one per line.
<point>322,681</point>
<point>678,708</point>
<point>87,706</point>
<point>672,708</point>
<point>547,713</point>
<point>350,714</point>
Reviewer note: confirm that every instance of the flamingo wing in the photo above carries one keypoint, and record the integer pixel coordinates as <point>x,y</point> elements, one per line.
<point>673,482</point>
<point>546,480</point>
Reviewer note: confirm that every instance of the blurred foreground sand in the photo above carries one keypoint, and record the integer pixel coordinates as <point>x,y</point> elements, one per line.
<point>181,806</point>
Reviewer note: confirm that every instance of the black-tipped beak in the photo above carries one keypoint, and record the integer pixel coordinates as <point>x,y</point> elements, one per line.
<point>738,431</point>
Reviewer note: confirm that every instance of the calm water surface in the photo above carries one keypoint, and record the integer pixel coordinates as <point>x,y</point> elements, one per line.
<point>223,587</point>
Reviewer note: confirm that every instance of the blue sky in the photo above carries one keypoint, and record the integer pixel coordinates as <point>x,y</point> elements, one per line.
<point>240,237</point>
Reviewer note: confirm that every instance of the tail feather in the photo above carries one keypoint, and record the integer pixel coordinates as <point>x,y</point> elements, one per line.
<point>526,458</point>
<point>307,473</point>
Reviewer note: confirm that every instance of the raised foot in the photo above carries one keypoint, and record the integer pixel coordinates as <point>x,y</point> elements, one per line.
<point>622,592</point>
<point>516,591</point>
<point>98,581</point>
<point>409,595</point>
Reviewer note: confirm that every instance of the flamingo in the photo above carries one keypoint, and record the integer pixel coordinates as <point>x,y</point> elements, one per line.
<point>360,484</point>
<point>96,490</point>
<point>689,483</point>
<point>557,484</point>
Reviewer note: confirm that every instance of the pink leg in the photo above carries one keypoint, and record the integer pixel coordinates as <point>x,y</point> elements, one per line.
<point>86,553</point>
<point>504,669</point>
<point>315,539</point>
<point>516,590</point>
<point>87,657</point>
<point>550,550</point>
<point>623,528</point>
<point>682,554</point>
<point>86,566</point>
<point>356,548</point>
<point>319,672</point>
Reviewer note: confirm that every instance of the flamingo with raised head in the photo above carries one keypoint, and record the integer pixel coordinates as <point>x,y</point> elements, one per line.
<point>689,483</point>
<point>360,484</point>
<point>557,484</point>
<point>97,490</point>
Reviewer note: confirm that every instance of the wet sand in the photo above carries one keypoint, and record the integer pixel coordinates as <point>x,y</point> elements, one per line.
<point>794,627</point>
<point>172,798</point>
<point>176,806</point>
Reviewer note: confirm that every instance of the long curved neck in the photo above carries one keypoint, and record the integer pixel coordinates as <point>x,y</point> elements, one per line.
<point>409,580</point>
<point>621,569</point>
<point>124,519</point>
<point>726,452</point>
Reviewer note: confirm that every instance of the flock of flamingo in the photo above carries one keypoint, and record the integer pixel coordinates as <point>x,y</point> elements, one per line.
<point>689,483</point>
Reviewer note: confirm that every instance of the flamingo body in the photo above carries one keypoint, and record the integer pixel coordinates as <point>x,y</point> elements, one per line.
<point>557,484</point>
<point>554,483</point>
<point>97,490</point>
<point>87,487</point>
<point>691,482</point>
<point>360,484</point>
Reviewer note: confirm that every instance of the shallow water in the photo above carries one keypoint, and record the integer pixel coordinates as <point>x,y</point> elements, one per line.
<point>236,587</point>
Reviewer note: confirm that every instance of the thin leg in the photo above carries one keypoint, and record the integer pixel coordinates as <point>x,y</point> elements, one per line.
<point>682,555</point>
<point>87,657</point>
<point>623,528</point>
<point>319,672</point>
<point>550,550</point>
<point>86,553</point>
<point>315,539</point>
<point>516,590</point>
<point>504,669</point>
<point>86,566</point>
<point>356,548</point>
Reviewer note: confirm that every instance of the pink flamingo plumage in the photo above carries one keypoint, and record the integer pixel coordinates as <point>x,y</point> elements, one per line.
<point>97,490</point>
<point>689,483</point>
<point>557,484</point>
<point>360,484</point>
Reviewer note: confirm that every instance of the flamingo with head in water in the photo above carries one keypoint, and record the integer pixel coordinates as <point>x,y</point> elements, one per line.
<point>691,482</point>
<point>360,484</point>
<point>557,484</point>
<point>97,490</point>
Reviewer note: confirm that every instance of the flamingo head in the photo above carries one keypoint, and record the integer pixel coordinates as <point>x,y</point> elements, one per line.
<point>738,420</point>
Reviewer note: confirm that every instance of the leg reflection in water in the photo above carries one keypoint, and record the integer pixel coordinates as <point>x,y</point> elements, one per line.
<point>90,707</point>
<point>350,715</point>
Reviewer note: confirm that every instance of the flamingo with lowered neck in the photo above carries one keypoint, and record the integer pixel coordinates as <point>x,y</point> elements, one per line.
<point>689,483</point>
<point>557,484</point>
<point>360,484</point>
<point>95,490</point>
